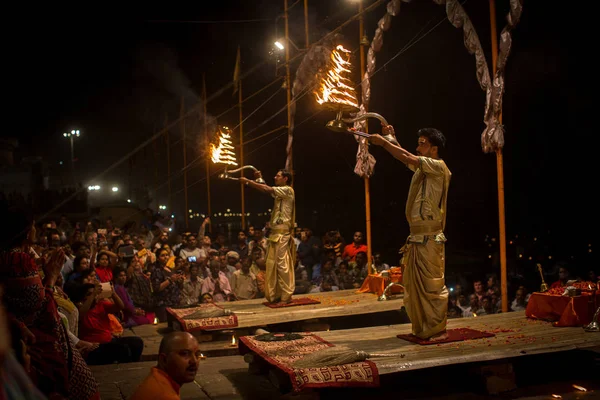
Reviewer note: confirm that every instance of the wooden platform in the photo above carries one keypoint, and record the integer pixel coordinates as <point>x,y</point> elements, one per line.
<point>516,336</point>
<point>333,304</point>
<point>341,303</point>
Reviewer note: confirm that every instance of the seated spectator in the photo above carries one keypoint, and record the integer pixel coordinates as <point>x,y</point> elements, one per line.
<point>328,280</point>
<point>474,308</point>
<point>519,303</point>
<point>243,282</point>
<point>139,286</point>
<point>192,287</point>
<point>378,264</point>
<point>178,356</point>
<point>80,264</point>
<point>260,276</point>
<point>132,315</point>
<point>206,298</point>
<point>106,262</point>
<point>563,277</point>
<point>345,279</point>
<point>166,285</point>
<point>95,327</point>
<point>217,284</point>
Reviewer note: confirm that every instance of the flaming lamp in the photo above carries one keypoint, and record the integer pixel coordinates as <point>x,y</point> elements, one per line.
<point>222,153</point>
<point>337,93</point>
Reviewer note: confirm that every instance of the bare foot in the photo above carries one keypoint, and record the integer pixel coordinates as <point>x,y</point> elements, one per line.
<point>440,336</point>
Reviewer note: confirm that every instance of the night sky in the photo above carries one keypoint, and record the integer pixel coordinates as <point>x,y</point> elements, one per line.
<point>118,79</point>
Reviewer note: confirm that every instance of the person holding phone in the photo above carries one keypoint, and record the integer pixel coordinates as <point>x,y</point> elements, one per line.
<point>166,285</point>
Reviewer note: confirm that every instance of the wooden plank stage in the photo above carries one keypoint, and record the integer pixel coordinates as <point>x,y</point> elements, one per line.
<point>333,304</point>
<point>516,336</point>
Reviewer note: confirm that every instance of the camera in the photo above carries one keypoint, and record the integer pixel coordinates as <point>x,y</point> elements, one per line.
<point>191,259</point>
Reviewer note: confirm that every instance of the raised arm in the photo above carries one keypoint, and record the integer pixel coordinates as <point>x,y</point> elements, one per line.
<point>397,151</point>
<point>261,187</point>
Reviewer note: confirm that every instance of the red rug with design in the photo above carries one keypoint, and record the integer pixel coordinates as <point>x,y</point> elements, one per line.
<point>202,324</point>
<point>454,335</point>
<point>300,301</point>
<point>282,355</point>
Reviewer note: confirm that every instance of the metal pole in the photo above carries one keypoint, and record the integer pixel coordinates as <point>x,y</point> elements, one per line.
<point>290,163</point>
<point>500,173</point>
<point>168,165</point>
<point>207,146</point>
<point>185,187</point>
<point>361,28</point>
<point>241,151</point>
<point>73,161</point>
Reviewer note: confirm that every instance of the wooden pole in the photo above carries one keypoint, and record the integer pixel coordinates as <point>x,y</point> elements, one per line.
<point>290,166</point>
<point>185,187</point>
<point>155,151</point>
<point>306,40</point>
<point>500,173</point>
<point>169,205</point>
<point>207,147</point>
<point>241,150</point>
<point>361,28</point>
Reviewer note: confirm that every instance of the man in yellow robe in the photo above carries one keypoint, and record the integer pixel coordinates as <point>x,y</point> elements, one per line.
<point>281,250</point>
<point>426,295</point>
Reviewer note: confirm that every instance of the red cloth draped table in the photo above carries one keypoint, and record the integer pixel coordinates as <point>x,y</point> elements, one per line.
<point>563,310</point>
<point>376,283</point>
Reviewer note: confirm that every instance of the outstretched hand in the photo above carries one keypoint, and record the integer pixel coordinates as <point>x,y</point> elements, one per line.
<point>257,175</point>
<point>388,130</point>
<point>377,139</point>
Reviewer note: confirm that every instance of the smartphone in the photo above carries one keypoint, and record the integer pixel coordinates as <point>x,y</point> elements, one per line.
<point>128,250</point>
<point>106,290</point>
<point>49,226</point>
<point>192,259</point>
<point>101,231</point>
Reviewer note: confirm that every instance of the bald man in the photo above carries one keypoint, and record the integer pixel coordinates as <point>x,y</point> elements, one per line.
<point>178,356</point>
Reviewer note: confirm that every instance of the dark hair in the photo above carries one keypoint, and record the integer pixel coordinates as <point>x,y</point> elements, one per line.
<point>286,174</point>
<point>82,275</point>
<point>435,137</point>
<point>19,222</point>
<point>103,253</point>
<point>78,245</point>
<point>117,271</point>
<point>78,292</point>
<point>77,262</point>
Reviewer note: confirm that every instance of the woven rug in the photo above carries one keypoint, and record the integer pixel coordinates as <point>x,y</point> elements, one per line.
<point>202,324</point>
<point>282,355</point>
<point>300,301</point>
<point>454,335</point>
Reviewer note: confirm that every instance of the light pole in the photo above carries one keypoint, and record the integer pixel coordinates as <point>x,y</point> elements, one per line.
<point>71,135</point>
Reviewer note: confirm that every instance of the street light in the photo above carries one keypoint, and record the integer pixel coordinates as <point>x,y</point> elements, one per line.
<point>115,189</point>
<point>280,43</point>
<point>74,133</point>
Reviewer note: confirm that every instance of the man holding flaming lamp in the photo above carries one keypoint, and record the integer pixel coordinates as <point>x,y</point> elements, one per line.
<point>280,279</point>
<point>426,295</point>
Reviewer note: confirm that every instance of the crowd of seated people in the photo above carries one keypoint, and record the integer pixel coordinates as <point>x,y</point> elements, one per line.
<point>70,293</point>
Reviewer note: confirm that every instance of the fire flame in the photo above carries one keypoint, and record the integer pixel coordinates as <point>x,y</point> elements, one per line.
<point>335,87</point>
<point>223,152</point>
<point>580,388</point>
<point>233,340</point>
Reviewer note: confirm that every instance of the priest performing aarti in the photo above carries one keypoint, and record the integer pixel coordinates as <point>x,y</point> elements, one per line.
<point>425,292</point>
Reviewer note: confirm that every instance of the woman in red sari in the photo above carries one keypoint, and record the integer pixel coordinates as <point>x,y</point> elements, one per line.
<point>57,368</point>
